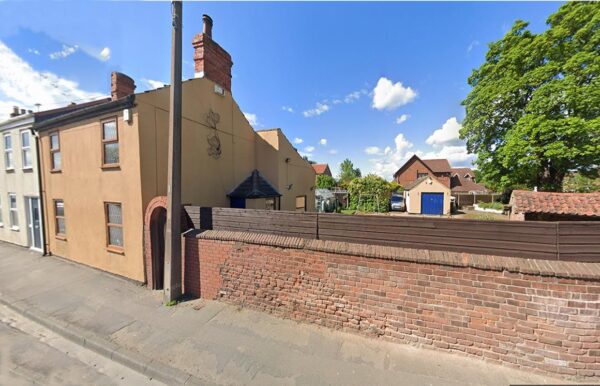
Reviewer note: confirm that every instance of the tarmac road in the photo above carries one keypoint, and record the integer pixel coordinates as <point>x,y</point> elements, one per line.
<point>32,355</point>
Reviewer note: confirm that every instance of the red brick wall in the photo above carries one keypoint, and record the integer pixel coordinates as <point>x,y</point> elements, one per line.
<point>212,60</point>
<point>548,324</point>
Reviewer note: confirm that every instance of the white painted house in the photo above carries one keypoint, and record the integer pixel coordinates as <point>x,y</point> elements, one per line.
<point>20,207</point>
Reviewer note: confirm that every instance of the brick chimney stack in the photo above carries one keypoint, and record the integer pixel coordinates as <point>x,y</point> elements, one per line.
<point>211,61</point>
<point>15,112</point>
<point>121,85</point>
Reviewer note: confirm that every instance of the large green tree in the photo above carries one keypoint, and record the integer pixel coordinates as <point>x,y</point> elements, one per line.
<point>348,172</point>
<point>533,114</point>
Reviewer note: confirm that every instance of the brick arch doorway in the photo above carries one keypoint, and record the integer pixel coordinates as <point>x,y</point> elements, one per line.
<point>158,221</point>
<point>154,240</point>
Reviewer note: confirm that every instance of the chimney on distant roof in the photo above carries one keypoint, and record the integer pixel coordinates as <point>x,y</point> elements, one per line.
<point>15,112</point>
<point>211,61</point>
<point>121,85</point>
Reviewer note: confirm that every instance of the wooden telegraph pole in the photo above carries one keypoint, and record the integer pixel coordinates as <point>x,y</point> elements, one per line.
<point>172,283</point>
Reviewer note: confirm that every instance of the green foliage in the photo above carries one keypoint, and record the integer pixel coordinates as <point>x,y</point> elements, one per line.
<point>372,192</point>
<point>348,172</point>
<point>581,184</point>
<point>533,114</point>
<point>396,187</point>
<point>325,182</point>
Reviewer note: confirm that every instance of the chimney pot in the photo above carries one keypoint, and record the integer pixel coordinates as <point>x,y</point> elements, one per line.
<point>207,24</point>
<point>22,111</point>
<point>121,85</point>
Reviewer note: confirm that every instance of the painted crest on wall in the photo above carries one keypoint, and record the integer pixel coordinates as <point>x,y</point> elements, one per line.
<point>214,142</point>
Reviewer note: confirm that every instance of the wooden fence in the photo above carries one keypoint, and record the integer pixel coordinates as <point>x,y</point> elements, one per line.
<point>569,241</point>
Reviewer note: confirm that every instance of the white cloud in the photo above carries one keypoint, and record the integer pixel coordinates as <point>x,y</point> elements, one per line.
<point>472,45</point>
<point>33,51</point>
<point>319,109</point>
<point>391,158</point>
<point>152,84</point>
<point>333,151</point>
<point>352,97</point>
<point>371,150</point>
<point>323,142</point>
<point>23,86</point>
<point>66,51</point>
<point>402,118</point>
<point>447,135</point>
<point>105,54</point>
<point>309,149</point>
<point>252,119</point>
<point>298,141</point>
<point>288,109</point>
<point>455,154</point>
<point>388,95</point>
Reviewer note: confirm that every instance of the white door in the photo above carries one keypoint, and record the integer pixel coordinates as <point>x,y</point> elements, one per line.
<point>34,223</point>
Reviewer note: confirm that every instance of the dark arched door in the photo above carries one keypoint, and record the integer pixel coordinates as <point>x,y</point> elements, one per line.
<point>157,232</point>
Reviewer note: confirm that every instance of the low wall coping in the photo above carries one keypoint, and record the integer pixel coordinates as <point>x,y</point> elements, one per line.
<point>564,269</point>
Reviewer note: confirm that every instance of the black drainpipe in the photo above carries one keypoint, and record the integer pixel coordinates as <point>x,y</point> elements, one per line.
<point>41,192</point>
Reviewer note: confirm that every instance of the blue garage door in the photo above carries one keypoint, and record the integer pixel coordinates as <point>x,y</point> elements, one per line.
<point>432,203</point>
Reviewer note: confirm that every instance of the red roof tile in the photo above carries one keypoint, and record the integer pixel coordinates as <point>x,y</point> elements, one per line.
<point>437,165</point>
<point>579,204</point>
<point>459,183</point>
<point>320,168</point>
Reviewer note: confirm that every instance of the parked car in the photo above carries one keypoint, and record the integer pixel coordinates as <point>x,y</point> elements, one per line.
<point>397,202</point>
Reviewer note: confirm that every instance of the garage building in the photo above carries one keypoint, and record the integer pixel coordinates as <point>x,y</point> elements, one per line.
<point>427,195</point>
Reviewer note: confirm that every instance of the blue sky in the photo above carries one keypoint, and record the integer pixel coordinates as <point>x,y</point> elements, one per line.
<point>373,82</point>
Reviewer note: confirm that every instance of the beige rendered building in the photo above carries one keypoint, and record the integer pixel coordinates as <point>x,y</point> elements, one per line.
<point>102,166</point>
<point>427,195</point>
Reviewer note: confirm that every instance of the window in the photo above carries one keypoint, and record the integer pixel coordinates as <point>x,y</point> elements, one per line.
<point>26,149</point>
<point>60,227</point>
<point>14,214</point>
<point>55,158</point>
<point>270,203</point>
<point>114,224</point>
<point>8,152</point>
<point>419,175</point>
<point>300,203</point>
<point>110,143</point>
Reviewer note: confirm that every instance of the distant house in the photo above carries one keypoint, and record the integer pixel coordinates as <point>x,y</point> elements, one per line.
<point>322,169</point>
<point>552,206</point>
<point>463,181</point>
<point>457,180</point>
<point>427,195</point>
<point>416,168</point>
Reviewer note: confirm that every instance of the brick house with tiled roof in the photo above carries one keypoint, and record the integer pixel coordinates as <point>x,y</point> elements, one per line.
<point>553,206</point>
<point>463,181</point>
<point>416,168</point>
<point>322,169</point>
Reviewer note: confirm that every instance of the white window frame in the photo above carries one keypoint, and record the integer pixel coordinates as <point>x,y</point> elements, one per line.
<point>54,150</point>
<point>26,149</point>
<point>11,210</point>
<point>7,165</point>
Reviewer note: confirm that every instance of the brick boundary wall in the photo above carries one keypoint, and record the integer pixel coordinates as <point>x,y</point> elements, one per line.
<point>532,314</point>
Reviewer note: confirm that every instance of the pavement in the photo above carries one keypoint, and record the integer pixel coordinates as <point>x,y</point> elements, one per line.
<point>33,354</point>
<point>209,342</point>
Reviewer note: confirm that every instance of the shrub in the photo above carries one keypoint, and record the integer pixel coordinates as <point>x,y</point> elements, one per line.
<point>325,182</point>
<point>370,194</point>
